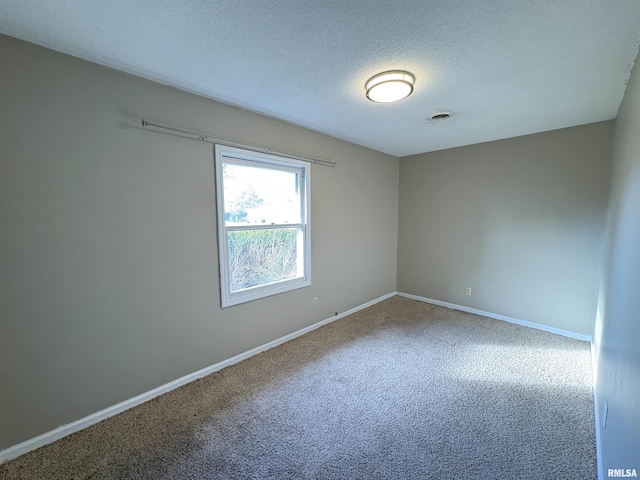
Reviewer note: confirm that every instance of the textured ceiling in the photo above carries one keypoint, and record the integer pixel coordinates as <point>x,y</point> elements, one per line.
<point>505,67</point>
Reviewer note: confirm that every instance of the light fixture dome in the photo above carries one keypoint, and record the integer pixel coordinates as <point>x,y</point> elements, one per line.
<point>390,86</point>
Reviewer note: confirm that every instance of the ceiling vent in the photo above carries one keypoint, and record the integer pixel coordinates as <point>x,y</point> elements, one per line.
<point>440,116</point>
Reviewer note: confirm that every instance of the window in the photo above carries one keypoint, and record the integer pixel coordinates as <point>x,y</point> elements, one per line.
<point>263,224</point>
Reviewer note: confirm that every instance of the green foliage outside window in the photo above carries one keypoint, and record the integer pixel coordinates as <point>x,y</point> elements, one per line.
<point>257,257</point>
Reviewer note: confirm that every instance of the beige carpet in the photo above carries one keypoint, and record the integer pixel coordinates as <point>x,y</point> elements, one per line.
<point>402,389</point>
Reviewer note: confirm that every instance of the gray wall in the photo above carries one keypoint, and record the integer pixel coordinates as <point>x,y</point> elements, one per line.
<point>108,258</point>
<point>618,327</point>
<point>519,221</point>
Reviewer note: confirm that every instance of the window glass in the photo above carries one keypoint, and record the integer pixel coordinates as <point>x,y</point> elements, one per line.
<point>259,195</point>
<point>259,257</point>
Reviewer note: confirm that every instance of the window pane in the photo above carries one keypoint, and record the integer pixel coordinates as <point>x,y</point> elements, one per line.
<point>258,257</point>
<point>260,196</point>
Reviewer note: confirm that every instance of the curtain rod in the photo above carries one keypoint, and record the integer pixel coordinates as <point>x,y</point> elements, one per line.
<point>202,137</point>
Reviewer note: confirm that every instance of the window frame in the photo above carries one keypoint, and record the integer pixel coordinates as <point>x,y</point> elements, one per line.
<point>276,162</point>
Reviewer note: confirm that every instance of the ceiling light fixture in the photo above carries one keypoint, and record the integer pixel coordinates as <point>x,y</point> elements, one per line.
<point>390,86</point>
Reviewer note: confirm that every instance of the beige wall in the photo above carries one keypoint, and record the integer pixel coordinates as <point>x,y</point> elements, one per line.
<point>519,221</point>
<point>108,261</point>
<point>618,328</point>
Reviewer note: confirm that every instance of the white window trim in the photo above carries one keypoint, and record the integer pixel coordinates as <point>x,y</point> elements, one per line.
<point>229,298</point>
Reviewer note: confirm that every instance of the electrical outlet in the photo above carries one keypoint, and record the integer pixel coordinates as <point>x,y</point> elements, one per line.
<point>605,411</point>
<point>315,301</point>
<point>467,291</point>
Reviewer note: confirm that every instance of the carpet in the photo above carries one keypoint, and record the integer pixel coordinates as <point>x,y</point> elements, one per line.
<point>402,389</point>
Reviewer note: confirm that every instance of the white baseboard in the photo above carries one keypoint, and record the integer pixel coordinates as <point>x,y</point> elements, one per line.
<point>596,411</point>
<point>69,428</point>
<point>524,323</point>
